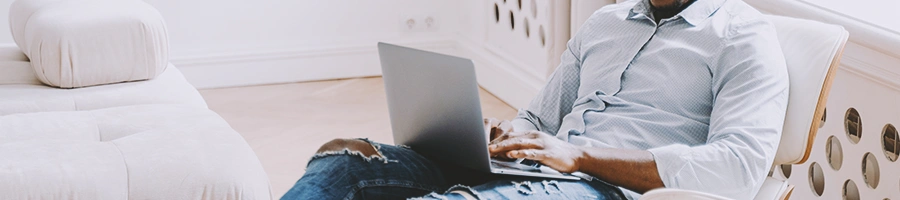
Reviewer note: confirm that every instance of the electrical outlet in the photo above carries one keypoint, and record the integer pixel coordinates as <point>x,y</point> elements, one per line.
<point>409,23</point>
<point>418,23</point>
<point>430,23</point>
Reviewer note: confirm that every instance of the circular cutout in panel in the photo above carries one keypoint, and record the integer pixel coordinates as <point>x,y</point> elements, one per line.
<point>512,20</point>
<point>527,28</point>
<point>824,114</point>
<point>542,35</point>
<point>853,125</point>
<point>786,170</point>
<point>834,153</point>
<point>816,179</point>
<point>889,142</point>
<point>850,191</point>
<point>520,5</point>
<point>534,9</point>
<point>496,13</point>
<point>870,170</point>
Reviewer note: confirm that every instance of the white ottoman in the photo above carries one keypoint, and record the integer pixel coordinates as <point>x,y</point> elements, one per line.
<point>77,43</point>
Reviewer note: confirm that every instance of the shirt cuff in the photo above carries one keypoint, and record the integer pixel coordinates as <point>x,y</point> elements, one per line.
<point>520,125</point>
<point>670,160</point>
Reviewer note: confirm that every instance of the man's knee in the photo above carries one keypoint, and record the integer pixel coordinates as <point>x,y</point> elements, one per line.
<point>353,145</point>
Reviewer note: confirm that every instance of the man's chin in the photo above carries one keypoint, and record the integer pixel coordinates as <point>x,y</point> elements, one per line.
<point>674,6</point>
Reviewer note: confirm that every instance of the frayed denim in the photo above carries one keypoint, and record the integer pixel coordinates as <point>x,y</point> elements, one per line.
<point>397,172</point>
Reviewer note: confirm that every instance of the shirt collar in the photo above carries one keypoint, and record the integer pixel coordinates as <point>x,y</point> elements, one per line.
<point>694,14</point>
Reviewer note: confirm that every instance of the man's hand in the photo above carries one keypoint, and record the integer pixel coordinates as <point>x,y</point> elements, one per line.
<point>538,146</point>
<point>497,127</point>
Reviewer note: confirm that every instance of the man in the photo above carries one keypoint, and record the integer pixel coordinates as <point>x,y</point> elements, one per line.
<point>686,94</point>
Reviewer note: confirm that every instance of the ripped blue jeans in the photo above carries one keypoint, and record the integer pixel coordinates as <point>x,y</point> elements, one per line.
<point>396,172</point>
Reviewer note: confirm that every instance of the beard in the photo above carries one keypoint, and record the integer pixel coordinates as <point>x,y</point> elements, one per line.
<point>673,7</point>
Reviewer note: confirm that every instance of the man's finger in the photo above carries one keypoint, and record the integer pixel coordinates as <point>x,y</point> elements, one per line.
<point>497,139</point>
<point>492,126</point>
<point>529,154</point>
<point>514,144</point>
<point>509,135</point>
<point>495,130</point>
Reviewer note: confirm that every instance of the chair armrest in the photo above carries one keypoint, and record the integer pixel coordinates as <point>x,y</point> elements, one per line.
<point>772,189</point>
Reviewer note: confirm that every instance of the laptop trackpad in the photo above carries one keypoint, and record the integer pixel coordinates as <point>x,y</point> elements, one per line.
<point>533,169</point>
<point>514,165</point>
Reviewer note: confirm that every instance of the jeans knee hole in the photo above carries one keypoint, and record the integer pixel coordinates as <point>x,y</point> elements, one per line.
<point>524,187</point>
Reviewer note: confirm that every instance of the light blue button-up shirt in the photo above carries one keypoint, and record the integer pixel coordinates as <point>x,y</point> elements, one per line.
<point>704,91</point>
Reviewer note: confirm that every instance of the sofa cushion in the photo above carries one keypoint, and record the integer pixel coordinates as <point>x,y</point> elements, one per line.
<point>77,43</point>
<point>129,152</point>
<point>24,97</point>
<point>15,68</point>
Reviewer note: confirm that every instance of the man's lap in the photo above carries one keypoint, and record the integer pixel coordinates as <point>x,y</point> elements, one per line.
<point>397,172</point>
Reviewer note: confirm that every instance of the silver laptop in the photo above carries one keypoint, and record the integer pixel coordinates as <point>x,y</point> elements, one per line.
<point>434,109</point>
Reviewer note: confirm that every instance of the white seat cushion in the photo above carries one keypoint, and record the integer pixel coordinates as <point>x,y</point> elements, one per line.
<point>77,43</point>
<point>162,151</point>
<point>152,139</point>
<point>15,68</point>
<point>28,96</point>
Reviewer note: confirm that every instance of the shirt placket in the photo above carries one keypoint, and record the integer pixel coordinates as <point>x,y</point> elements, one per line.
<point>615,84</point>
<point>597,101</point>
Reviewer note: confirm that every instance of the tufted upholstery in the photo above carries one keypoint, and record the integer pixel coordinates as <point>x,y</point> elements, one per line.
<point>78,43</point>
<point>130,152</point>
<point>151,139</point>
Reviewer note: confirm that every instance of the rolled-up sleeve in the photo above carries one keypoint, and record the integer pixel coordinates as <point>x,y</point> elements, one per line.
<point>555,100</point>
<point>750,85</point>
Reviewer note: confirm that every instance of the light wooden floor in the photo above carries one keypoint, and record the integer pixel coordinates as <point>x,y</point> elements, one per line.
<point>285,124</point>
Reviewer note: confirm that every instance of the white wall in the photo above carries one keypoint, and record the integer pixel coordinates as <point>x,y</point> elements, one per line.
<point>5,34</point>
<point>224,43</point>
<point>250,25</point>
<point>206,26</point>
<point>219,43</point>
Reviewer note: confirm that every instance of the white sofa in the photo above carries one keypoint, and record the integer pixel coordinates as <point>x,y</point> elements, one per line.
<point>137,139</point>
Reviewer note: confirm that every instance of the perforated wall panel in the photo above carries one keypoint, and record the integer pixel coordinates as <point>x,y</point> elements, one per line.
<point>855,151</point>
<point>531,33</point>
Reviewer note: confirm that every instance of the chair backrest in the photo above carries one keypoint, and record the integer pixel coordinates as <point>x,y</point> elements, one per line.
<point>812,51</point>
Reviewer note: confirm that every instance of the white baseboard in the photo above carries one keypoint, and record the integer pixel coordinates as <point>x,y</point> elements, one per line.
<point>293,65</point>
